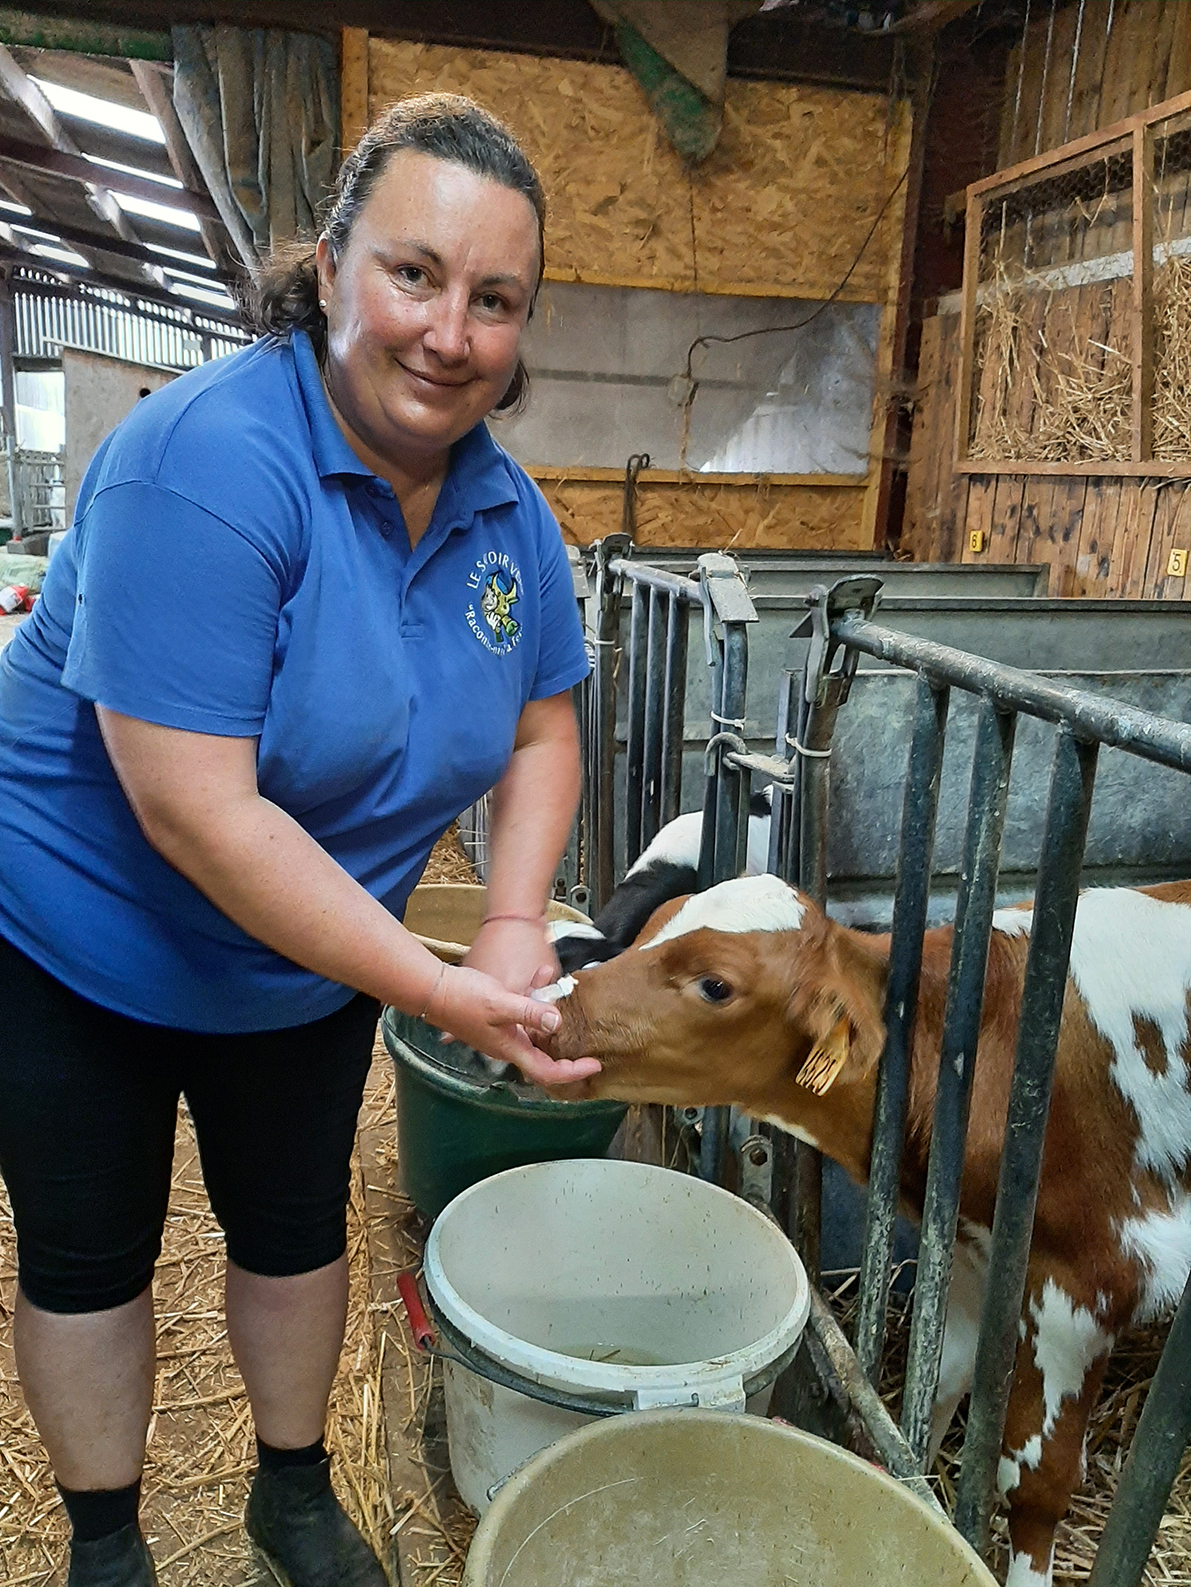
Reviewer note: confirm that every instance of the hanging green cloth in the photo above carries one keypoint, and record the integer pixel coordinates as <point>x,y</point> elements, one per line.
<point>677,50</point>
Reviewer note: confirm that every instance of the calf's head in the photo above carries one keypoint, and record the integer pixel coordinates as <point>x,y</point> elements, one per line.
<point>744,994</point>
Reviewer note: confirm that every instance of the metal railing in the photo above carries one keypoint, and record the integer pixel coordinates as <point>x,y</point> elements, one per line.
<point>842,627</point>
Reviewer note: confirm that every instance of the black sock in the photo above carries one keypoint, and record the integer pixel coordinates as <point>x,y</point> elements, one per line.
<point>278,1459</point>
<point>97,1512</point>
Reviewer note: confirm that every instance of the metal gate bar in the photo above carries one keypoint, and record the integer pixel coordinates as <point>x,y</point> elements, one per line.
<point>1057,894</point>
<point>957,1058</point>
<point>910,904</point>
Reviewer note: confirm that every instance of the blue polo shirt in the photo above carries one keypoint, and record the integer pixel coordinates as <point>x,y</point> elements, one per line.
<point>234,569</point>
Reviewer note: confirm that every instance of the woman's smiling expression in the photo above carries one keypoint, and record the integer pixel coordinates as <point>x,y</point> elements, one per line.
<point>425,307</point>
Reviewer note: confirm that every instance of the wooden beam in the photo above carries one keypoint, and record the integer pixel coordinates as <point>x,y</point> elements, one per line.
<point>1119,132</point>
<point>353,87</point>
<point>84,237</point>
<point>150,79</point>
<point>928,16</point>
<point>80,169</point>
<point>23,92</point>
<point>967,325</point>
<point>1142,427</point>
<point>1157,468</point>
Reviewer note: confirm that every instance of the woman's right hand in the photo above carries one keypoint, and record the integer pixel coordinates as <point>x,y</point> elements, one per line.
<point>475,1008</point>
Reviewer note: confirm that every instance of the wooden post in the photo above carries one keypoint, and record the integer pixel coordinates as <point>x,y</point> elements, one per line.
<point>887,426</point>
<point>353,87</point>
<point>967,325</point>
<point>1143,296</point>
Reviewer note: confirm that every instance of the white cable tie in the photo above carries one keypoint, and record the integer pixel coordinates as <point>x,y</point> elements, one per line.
<point>801,749</point>
<point>728,721</point>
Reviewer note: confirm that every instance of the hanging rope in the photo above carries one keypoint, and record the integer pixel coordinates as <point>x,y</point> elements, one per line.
<point>1021,72</point>
<point>1074,64</point>
<point>1050,36</point>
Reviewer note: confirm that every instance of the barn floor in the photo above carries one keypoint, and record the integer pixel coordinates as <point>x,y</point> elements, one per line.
<point>386,1427</point>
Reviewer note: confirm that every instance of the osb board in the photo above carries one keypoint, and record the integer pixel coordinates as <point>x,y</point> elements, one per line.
<point>1132,54</point>
<point>781,208</point>
<point>715,516</point>
<point>1103,537</point>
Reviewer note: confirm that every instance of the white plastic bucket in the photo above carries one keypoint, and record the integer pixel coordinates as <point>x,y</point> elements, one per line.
<point>616,1283</point>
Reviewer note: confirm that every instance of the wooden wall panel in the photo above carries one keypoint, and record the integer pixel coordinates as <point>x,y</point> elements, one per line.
<point>781,207</point>
<point>1102,537</point>
<point>1132,54</point>
<point>714,516</point>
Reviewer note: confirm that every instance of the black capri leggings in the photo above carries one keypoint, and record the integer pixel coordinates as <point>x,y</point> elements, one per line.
<point>88,1105</point>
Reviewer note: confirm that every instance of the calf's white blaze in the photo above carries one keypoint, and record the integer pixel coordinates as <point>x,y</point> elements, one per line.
<point>1013,922</point>
<point>1067,1340</point>
<point>1131,958</point>
<point>1161,1243</point>
<point>750,903</point>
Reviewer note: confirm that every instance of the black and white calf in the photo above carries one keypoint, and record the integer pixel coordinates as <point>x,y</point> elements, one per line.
<point>667,869</point>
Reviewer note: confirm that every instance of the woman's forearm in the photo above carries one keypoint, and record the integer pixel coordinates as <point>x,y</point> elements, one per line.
<point>266,873</point>
<point>533,808</point>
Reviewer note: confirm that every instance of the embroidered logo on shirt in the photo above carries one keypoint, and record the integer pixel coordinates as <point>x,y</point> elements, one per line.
<point>498,579</point>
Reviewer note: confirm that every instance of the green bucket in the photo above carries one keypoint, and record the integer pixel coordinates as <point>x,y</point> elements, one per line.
<point>456,1126</point>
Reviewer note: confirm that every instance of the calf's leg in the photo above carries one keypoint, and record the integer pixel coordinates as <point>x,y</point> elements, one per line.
<point>1060,1366</point>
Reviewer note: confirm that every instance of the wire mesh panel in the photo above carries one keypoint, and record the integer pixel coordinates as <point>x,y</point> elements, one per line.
<point>1172,288</point>
<point>1053,354</point>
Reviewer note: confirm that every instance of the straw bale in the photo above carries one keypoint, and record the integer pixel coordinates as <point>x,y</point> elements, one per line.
<point>1055,377</point>
<point>1172,360</point>
<point>708,513</point>
<point>780,208</point>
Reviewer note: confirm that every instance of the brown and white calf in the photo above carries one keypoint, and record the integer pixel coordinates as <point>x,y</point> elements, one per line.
<point>747,994</point>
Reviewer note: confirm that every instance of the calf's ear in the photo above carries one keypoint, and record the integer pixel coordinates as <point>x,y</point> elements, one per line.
<point>826,1059</point>
<point>846,1033</point>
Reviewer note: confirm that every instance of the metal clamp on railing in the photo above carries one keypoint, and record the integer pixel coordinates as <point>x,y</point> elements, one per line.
<point>830,664</point>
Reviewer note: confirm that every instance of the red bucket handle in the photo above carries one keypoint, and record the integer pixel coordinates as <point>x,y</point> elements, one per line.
<point>419,1324</point>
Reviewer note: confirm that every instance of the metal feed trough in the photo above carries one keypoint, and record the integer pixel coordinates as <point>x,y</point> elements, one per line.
<point>810,701</point>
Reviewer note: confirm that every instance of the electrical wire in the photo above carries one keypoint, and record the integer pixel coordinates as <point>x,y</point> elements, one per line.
<point>774,330</point>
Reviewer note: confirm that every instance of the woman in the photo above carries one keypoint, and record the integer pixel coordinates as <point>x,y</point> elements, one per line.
<point>307,613</point>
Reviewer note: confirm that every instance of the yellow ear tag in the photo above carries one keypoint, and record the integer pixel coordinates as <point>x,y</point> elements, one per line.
<point>825,1060</point>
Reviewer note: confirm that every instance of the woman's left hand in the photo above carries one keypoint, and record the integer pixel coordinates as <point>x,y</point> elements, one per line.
<point>516,953</point>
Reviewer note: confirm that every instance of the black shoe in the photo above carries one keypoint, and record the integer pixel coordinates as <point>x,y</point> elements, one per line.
<point>119,1560</point>
<point>301,1530</point>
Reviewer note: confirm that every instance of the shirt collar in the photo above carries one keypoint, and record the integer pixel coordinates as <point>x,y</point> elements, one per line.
<point>479,476</point>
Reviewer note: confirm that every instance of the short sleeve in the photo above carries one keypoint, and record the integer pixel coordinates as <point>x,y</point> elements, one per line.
<point>175,616</point>
<point>562,656</point>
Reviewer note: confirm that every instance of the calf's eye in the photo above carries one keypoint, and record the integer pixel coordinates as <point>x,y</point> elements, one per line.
<point>713,990</point>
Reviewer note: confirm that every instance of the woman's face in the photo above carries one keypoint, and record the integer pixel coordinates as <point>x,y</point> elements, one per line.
<point>426,305</point>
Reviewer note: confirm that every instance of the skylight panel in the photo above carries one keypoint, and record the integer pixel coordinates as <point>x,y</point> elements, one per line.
<point>101,112</point>
<point>62,255</point>
<point>182,218</point>
<point>198,260</point>
<point>135,170</point>
<point>9,208</point>
<point>210,295</point>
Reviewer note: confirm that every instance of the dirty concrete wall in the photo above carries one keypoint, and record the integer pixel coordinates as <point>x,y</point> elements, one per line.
<point>100,391</point>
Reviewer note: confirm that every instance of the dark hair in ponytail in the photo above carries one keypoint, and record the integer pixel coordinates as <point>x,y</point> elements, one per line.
<point>284,293</point>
